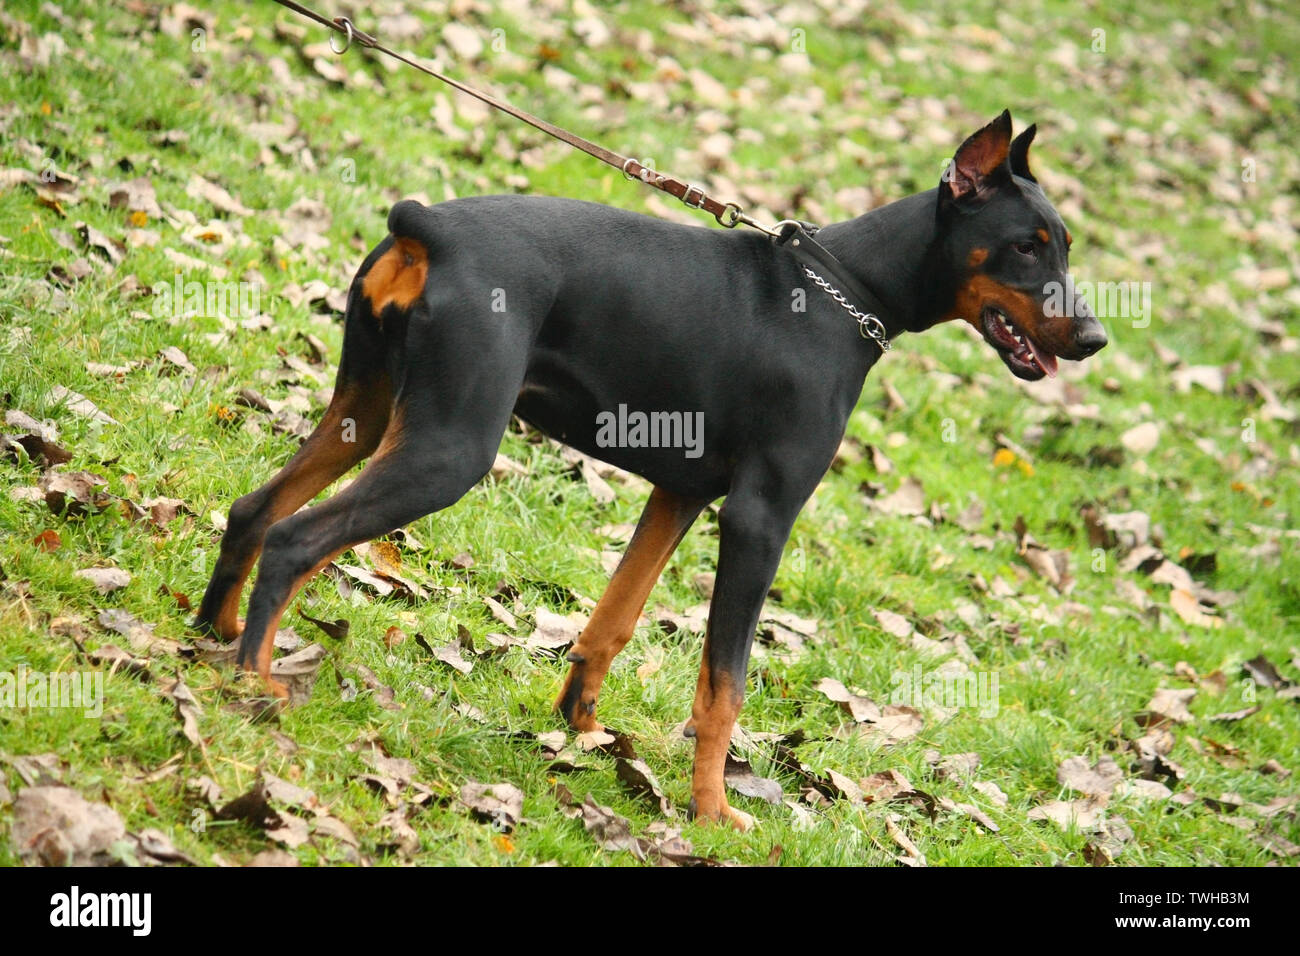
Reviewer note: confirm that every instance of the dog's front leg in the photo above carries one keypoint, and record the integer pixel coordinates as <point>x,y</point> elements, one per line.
<point>754,530</point>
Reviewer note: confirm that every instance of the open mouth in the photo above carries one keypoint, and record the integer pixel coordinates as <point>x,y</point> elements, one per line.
<point>1019,352</point>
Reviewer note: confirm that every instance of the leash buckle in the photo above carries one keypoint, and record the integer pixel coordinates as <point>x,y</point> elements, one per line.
<point>686,197</point>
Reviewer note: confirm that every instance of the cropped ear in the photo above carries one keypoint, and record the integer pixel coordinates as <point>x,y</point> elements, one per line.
<point>979,166</point>
<point>1019,157</point>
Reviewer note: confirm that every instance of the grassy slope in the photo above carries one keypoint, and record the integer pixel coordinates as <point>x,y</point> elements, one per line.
<point>115,89</point>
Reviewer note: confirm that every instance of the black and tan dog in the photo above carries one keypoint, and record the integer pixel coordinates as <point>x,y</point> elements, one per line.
<point>559,311</point>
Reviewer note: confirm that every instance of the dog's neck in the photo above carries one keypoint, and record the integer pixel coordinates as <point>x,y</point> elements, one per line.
<point>891,251</point>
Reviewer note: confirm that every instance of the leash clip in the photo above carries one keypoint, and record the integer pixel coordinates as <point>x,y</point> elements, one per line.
<point>730,215</point>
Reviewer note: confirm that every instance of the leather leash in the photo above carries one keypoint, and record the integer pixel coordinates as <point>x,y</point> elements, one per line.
<point>789,234</point>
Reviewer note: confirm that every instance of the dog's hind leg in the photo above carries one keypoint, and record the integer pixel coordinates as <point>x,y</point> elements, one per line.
<point>350,431</point>
<point>663,524</point>
<point>442,437</point>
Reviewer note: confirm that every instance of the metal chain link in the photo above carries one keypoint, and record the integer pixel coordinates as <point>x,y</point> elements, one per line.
<point>869,326</point>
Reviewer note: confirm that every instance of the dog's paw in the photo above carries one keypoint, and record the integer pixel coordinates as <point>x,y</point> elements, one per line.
<point>227,634</point>
<point>739,819</point>
<point>716,811</point>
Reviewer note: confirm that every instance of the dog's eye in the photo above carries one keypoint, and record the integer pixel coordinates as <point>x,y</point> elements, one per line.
<point>1026,249</point>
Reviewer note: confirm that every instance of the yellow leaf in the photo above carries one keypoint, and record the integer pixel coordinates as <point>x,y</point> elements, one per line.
<point>1003,457</point>
<point>503,843</point>
<point>138,218</point>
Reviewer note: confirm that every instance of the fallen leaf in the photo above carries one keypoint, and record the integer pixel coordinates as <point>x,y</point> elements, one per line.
<point>1106,846</point>
<point>56,826</point>
<point>139,634</point>
<point>298,671</point>
<point>1170,704</point>
<point>48,541</point>
<point>221,200</point>
<point>501,804</point>
<point>273,857</point>
<point>909,499</point>
<point>861,708</point>
<point>1235,715</point>
<point>80,405</point>
<point>105,580</point>
<point>136,195</point>
<point>894,624</point>
<point>114,250</point>
<point>1189,609</point>
<point>884,786</point>
<point>74,493</point>
<point>914,856</point>
<point>336,629</point>
<point>897,722</point>
<point>1099,780</point>
<point>1262,671</point>
<point>187,707</point>
<point>992,792</point>
<point>1081,814</point>
<point>499,611</point>
<point>554,631</point>
<point>740,776</point>
<point>505,467</point>
<point>115,659</point>
<point>638,778</point>
<point>1141,439</point>
<point>1209,377</point>
<point>972,811</point>
<point>450,654</point>
<point>609,830</point>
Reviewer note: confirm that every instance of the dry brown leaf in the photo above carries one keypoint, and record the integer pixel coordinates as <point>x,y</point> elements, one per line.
<point>105,580</point>
<point>554,631</point>
<point>894,624</point>
<point>1082,814</point>
<point>501,804</point>
<point>1099,780</point>
<point>859,707</point>
<point>298,671</point>
<point>909,499</point>
<point>187,707</point>
<point>56,826</point>
<point>740,776</point>
<point>1171,704</point>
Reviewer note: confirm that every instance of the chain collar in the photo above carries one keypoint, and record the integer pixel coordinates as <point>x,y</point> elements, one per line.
<point>869,326</point>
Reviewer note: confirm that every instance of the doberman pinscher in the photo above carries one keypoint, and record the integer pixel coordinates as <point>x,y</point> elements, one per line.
<point>562,311</point>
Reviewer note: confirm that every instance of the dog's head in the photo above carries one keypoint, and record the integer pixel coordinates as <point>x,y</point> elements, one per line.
<point>1008,251</point>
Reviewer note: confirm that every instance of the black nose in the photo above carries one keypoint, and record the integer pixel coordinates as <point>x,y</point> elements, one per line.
<point>1091,340</point>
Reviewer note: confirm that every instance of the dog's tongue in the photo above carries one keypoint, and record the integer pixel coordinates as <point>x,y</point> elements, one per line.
<point>1046,360</point>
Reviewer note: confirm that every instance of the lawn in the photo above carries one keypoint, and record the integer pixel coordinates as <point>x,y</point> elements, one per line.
<point>1111,555</point>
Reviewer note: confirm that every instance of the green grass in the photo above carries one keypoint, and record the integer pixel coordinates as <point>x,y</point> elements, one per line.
<point>1173,85</point>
